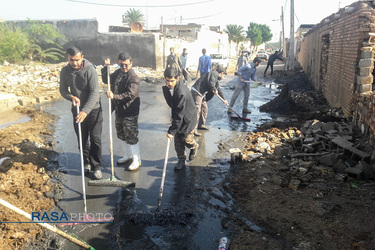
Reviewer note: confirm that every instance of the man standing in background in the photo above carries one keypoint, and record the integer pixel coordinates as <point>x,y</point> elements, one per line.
<point>204,64</point>
<point>173,60</point>
<point>184,60</point>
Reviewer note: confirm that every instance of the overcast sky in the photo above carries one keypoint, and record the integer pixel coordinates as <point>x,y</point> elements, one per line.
<point>210,12</point>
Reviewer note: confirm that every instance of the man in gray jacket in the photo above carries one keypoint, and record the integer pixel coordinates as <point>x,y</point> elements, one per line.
<point>79,84</point>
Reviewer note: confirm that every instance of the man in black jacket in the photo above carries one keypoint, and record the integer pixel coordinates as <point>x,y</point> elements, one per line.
<point>271,60</point>
<point>126,103</point>
<point>202,91</point>
<point>184,116</point>
<point>79,84</point>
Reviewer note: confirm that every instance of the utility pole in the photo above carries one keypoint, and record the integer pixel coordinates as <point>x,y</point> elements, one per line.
<point>291,40</point>
<point>282,30</point>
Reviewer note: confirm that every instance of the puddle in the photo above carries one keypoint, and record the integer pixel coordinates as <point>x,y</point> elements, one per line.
<point>14,118</point>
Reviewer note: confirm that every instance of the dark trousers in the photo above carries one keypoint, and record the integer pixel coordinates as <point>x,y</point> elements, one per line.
<point>91,128</point>
<point>269,64</point>
<point>180,142</point>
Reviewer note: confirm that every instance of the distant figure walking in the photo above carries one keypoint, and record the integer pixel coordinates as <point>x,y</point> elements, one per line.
<point>185,66</point>
<point>204,65</point>
<point>271,60</point>
<point>174,61</point>
<point>241,61</point>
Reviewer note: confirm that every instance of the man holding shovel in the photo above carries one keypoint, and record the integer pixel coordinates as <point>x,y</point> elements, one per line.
<point>79,84</point>
<point>184,116</point>
<point>126,103</point>
<point>202,91</point>
<point>245,73</point>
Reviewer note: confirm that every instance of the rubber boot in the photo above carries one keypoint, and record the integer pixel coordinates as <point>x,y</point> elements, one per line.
<point>136,157</point>
<point>127,153</point>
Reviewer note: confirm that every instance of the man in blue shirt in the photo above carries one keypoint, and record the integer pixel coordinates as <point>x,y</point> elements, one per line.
<point>245,73</point>
<point>204,65</point>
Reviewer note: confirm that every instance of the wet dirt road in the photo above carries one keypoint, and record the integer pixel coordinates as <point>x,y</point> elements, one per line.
<point>194,194</point>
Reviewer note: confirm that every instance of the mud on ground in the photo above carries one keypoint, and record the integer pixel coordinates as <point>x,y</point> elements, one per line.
<point>325,211</point>
<point>27,176</point>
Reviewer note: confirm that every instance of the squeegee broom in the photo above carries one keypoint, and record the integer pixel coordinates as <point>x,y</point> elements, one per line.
<point>112,181</point>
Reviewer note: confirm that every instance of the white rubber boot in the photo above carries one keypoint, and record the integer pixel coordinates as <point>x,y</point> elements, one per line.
<point>136,157</point>
<point>127,153</point>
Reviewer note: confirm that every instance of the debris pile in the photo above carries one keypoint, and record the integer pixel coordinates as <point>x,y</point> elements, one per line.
<point>23,85</point>
<point>317,150</point>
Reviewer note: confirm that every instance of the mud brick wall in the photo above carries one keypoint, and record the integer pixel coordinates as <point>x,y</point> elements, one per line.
<point>330,54</point>
<point>338,58</point>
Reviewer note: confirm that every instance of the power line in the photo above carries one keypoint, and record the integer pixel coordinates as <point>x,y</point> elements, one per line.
<point>138,6</point>
<point>193,18</point>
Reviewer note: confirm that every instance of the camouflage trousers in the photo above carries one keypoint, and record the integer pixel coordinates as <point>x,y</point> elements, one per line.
<point>127,129</point>
<point>180,142</point>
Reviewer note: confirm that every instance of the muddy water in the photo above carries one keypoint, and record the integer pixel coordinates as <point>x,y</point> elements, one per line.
<point>11,117</point>
<point>194,206</point>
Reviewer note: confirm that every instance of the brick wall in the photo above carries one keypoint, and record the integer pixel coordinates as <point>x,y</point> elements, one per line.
<point>337,56</point>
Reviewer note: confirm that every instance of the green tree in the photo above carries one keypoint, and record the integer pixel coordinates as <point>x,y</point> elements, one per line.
<point>13,43</point>
<point>133,15</point>
<point>235,34</point>
<point>44,42</point>
<point>254,33</point>
<point>266,33</point>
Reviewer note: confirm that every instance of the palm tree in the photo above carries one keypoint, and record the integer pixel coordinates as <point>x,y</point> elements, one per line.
<point>235,34</point>
<point>133,15</point>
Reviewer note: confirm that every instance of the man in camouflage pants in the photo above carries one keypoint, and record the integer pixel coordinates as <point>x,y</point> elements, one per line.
<point>126,102</point>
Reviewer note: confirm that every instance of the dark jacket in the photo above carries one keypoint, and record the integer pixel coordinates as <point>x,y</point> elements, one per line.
<point>126,101</point>
<point>184,112</point>
<point>274,57</point>
<point>208,83</point>
<point>82,84</point>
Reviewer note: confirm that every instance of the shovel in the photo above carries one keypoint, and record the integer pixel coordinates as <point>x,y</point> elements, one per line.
<point>233,117</point>
<point>164,172</point>
<point>112,181</point>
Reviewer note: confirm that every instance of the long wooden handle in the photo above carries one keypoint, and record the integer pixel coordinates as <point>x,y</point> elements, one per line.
<point>45,225</point>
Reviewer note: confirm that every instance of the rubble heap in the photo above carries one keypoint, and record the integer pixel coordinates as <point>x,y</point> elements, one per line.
<point>317,150</point>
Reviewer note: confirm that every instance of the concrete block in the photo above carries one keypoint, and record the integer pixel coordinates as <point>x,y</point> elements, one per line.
<point>362,88</point>
<point>281,151</point>
<point>366,71</point>
<point>366,54</point>
<point>308,140</point>
<point>317,132</point>
<point>328,160</point>
<point>327,126</point>
<point>364,79</point>
<point>365,63</point>
<point>356,172</point>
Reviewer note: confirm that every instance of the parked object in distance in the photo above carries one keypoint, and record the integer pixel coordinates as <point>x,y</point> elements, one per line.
<point>262,55</point>
<point>220,59</point>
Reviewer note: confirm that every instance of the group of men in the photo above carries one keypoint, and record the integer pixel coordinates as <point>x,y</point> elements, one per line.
<point>79,84</point>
